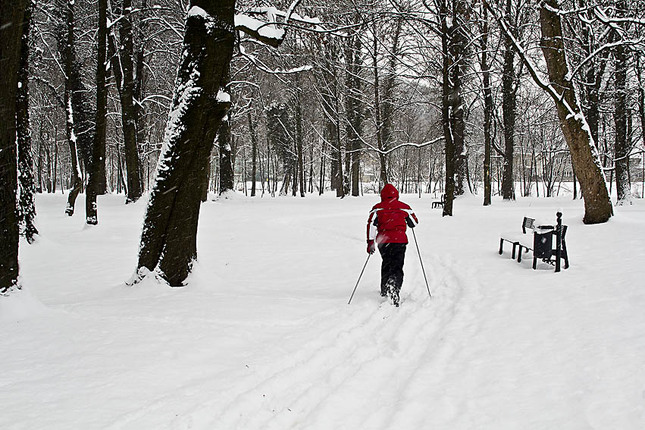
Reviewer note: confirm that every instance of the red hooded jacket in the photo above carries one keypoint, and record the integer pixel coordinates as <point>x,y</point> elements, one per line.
<point>390,218</point>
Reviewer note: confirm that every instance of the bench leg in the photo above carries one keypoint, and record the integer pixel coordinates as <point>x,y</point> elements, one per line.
<point>501,246</point>
<point>534,262</point>
<point>519,254</point>
<point>514,248</point>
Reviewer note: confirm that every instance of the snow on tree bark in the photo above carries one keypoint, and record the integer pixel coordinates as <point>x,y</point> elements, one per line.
<point>27,205</point>
<point>225,146</point>
<point>224,143</point>
<point>621,146</point>
<point>72,78</point>
<point>128,107</point>
<point>96,181</point>
<point>584,153</point>
<point>453,43</point>
<point>11,17</point>
<point>168,241</point>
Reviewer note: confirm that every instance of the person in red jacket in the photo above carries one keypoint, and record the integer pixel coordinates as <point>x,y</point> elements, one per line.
<point>386,227</point>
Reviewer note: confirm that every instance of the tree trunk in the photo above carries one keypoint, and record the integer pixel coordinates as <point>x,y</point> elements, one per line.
<point>11,16</point>
<point>621,148</point>
<point>128,107</point>
<point>583,150</point>
<point>96,183</point>
<point>447,104</point>
<point>169,237</point>
<point>254,153</point>
<point>378,120</point>
<point>27,206</point>
<point>457,51</point>
<point>386,98</point>
<point>299,139</point>
<point>509,104</point>
<point>453,42</point>
<point>354,111</point>
<point>68,59</point>
<point>225,146</point>
<point>226,177</point>
<point>139,80</point>
<point>595,70</point>
<point>488,111</point>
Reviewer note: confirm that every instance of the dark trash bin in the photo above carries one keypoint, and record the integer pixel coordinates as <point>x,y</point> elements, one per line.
<point>543,241</point>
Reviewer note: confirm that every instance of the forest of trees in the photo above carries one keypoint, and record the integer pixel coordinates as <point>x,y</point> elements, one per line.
<point>180,98</point>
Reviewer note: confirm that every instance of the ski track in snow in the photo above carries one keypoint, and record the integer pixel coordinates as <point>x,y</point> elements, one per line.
<point>369,353</point>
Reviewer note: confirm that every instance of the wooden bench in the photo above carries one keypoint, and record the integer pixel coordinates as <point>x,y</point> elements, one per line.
<point>439,203</point>
<point>540,243</point>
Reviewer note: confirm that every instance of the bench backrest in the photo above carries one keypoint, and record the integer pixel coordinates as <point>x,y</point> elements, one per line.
<point>527,223</point>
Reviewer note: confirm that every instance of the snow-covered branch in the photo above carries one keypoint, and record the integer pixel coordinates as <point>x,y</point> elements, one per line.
<point>266,32</point>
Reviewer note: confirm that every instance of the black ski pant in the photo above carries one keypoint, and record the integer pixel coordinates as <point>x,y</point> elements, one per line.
<point>393,255</point>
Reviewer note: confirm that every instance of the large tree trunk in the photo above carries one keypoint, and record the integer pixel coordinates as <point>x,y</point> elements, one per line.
<point>457,50</point>
<point>584,153</point>
<point>27,204</point>
<point>139,81</point>
<point>509,104</point>
<point>447,104</point>
<point>128,107</point>
<point>66,48</point>
<point>354,110</point>
<point>11,16</point>
<point>378,120</point>
<point>453,41</point>
<point>96,182</point>
<point>488,111</point>
<point>621,148</point>
<point>331,110</point>
<point>224,143</point>
<point>386,97</point>
<point>169,237</point>
<point>225,146</point>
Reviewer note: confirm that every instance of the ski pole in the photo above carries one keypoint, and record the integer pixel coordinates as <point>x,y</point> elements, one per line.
<point>359,278</point>
<point>421,261</point>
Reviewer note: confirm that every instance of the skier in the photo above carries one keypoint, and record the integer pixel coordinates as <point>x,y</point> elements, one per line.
<point>386,227</point>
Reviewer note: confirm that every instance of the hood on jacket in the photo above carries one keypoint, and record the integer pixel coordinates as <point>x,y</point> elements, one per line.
<point>389,192</point>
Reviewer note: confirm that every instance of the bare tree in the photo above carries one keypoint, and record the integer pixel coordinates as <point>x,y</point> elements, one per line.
<point>453,40</point>
<point>66,46</point>
<point>510,86</point>
<point>123,66</point>
<point>11,18</point>
<point>96,171</point>
<point>27,206</point>
<point>573,123</point>
<point>169,237</point>
<point>574,126</point>
<point>621,147</point>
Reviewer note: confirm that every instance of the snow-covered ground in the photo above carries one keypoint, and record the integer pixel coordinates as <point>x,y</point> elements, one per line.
<point>263,337</point>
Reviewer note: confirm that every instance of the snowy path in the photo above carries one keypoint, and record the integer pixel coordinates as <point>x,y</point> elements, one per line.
<point>263,338</point>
